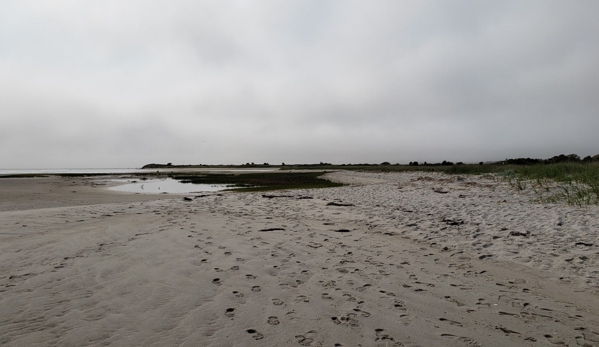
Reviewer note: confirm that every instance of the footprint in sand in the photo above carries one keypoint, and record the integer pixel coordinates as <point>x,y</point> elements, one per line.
<point>405,319</point>
<point>555,340</point>
<point>349,297</point>
<point>588,335</point>
<point>308,338</point>
<point>256,289</point>
<point>349,319</point>
<point>277,302</point>
<point>426,284</point>
<point>327,296</point>
<point>363,313</point>
<point>216,281</point>
<point>292,315</point>
<point>250,277</point>
<point>381,335</point>
<point>482,302</point>
<point>238,294</point>
<point>452,322</point>
<point>273,320</point>
<point>467,340</point>
<point>455,301</point>
<point>364,287</point>
<point>302,298</point>
<point>235,267</point>
<point>255,335</point>
<point>387,293</point>
<point>230,312</point>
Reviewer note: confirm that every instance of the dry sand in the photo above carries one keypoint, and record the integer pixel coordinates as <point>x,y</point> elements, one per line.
<point>416,260</point>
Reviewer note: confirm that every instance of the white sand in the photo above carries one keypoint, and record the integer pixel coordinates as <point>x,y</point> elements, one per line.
<point>479,265</point>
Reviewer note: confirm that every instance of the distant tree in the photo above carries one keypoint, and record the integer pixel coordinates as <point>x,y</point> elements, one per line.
<point>481,163</point>
<point>283,164</point>
<point>385,163</point>
<point>169,164</point>
<point>562,158</point>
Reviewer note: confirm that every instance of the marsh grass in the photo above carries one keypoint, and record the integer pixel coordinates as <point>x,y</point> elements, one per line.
<point>24,176</point>
<point>261,181</point>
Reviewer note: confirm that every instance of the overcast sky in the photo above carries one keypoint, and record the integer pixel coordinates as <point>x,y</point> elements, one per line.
<point>126,83</point>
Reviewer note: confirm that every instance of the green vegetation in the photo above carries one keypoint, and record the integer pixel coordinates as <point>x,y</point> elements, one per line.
<point>562,178</point>
<point>449,169</point>
<point>23,176</point>
<point>574,183</point>
<point>260,181</point>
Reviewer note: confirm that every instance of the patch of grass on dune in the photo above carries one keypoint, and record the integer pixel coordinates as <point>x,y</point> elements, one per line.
<point>574,183</point>
<point>263,181</point>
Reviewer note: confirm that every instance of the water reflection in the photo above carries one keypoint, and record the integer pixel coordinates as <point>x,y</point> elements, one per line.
<point>165,186</point>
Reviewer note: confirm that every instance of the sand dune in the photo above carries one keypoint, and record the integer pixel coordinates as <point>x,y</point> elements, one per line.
<point>412,259</point>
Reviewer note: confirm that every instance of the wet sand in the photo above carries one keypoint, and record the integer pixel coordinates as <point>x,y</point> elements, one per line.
<point>408,259</point>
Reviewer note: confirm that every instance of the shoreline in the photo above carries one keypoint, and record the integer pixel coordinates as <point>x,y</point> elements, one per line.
<point>412,259</point>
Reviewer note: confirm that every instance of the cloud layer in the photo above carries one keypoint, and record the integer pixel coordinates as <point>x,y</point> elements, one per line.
<point>121,84</point>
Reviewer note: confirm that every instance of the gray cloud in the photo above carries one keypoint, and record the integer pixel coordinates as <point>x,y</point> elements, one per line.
<point>126,83</point>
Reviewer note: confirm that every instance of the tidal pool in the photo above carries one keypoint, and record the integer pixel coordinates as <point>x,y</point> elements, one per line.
<point>165,186</point>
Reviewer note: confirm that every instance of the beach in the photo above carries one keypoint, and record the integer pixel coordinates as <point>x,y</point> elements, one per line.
<point>390,259</point>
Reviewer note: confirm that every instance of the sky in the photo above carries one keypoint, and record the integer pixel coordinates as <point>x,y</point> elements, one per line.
<point>104,84</point>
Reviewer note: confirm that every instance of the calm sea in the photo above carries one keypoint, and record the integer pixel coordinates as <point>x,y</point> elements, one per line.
<point>118,171</point>
<point>63,171</point>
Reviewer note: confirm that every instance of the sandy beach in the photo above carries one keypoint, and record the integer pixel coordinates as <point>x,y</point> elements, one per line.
<point>392,259</point>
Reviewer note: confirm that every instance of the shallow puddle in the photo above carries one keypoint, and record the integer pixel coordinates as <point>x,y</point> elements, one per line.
<point>165,186</point>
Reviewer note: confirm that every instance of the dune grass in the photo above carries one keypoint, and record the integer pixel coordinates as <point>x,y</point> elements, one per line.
<point>574,183</point>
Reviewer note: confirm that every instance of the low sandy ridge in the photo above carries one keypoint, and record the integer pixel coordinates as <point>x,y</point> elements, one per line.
<point>399,259</point>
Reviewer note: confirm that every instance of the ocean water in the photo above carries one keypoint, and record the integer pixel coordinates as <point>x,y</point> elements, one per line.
<point>114,171</point>
<point>67,171</point>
